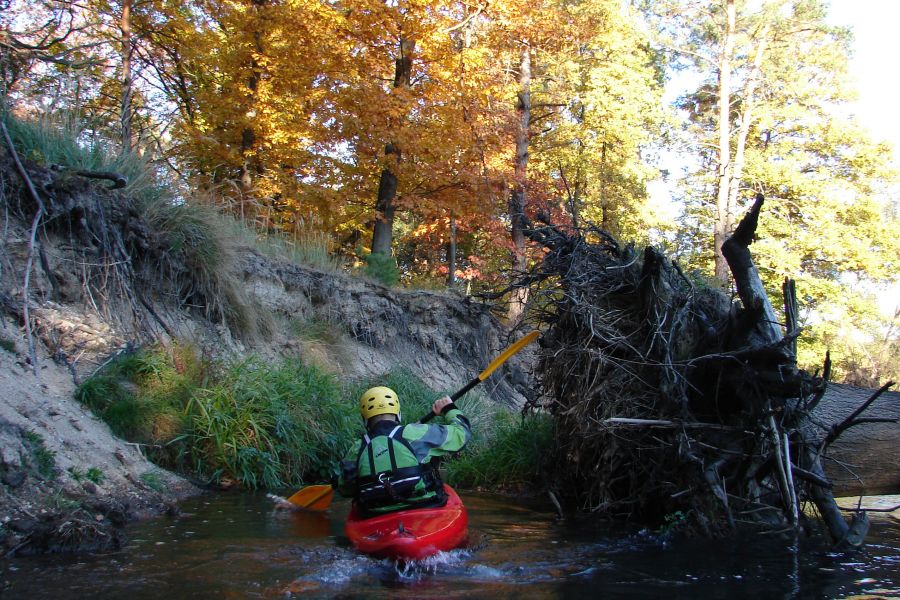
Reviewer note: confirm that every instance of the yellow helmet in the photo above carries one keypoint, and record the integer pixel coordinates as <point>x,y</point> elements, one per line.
<point>379,401</point>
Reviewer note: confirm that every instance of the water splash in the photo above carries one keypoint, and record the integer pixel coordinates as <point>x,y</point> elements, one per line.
<point>413,570</point>
<point>281,503</point>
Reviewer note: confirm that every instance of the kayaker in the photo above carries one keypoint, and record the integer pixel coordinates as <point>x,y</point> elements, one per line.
<point>394,467</point>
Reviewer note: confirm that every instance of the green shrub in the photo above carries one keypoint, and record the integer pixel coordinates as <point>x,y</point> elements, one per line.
<point>382,268</point>
<point>270,425</point>
<point>43,460</point>
<point>142,395</point>
<point>512,452</point>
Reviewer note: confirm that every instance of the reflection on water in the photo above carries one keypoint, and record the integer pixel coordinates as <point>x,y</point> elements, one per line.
<point>236,546</point>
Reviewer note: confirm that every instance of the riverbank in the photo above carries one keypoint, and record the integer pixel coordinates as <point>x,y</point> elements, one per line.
<point>68,484</point>
<point>178,274</point>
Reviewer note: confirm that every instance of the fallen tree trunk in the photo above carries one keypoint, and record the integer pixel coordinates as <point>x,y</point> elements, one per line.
<point>865,460</point>
<point>671,399</point>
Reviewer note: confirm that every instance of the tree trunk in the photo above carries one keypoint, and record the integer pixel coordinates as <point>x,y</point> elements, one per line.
<point>127,50</point>
<point>517,197</point>
<point>736,250</point>
<point>864,460</point>
<point>451,253</point>
<point>746,119</point>
<point>724,211</point>
<point>382,232</point>
<point>251,164</point>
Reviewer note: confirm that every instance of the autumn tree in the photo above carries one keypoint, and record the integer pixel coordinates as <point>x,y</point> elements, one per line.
<point>581,78</point>
<point>595,154</point>
<point>771,115</point>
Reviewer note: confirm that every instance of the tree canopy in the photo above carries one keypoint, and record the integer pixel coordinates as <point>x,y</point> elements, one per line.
<point>438,122</point>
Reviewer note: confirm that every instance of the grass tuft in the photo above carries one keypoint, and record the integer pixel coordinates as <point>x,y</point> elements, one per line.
<point>308,247</point>
<point>42,458</point>
<point>270,425</point>
<point>512,452</point>
<point>142,395</point>
<point>191,258</point>
<point>93,474</point>
<point>8,345</point>
<point>153,480</point>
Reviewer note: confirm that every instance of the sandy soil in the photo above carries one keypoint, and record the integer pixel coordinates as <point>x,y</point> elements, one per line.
<point>66,483</point>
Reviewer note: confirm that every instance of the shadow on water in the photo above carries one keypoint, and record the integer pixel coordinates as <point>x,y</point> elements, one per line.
<point>236,546</point>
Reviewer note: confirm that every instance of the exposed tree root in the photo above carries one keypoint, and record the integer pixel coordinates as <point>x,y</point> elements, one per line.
<point>670,397</point>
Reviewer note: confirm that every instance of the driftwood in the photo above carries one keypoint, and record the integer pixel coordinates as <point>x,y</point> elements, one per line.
<point>119,181</point>
<point>670,397</point>
<point>863,460</point>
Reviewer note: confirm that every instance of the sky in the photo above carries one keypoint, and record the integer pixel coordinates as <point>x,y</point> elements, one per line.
<point>876,47</point>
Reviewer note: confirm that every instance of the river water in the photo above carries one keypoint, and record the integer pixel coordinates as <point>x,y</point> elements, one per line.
<point>237,546</point>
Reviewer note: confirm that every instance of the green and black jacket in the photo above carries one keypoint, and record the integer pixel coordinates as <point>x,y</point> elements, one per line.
<point>392,466</point>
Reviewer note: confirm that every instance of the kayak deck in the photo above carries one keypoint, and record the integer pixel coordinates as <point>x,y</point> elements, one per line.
<point>410,534</point>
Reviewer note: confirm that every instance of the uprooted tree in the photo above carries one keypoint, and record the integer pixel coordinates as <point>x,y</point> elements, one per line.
<point>669,397</point>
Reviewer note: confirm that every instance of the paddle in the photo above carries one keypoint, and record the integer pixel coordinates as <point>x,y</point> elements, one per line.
<point>490,369</point>
<point>318,497</point>
<point>314,497</point>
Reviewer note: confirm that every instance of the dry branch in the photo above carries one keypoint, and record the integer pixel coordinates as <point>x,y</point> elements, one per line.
<point>32,240</point>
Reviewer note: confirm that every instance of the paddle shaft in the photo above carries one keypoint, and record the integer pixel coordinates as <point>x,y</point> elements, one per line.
<point>502,358</point>
<point>456,396</point>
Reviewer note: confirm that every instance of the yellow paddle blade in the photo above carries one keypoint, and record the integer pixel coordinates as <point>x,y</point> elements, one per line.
<point>313,497</point>
<point>507,353</point>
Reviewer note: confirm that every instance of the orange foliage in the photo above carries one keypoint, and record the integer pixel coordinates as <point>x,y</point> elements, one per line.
<point>289,105</point>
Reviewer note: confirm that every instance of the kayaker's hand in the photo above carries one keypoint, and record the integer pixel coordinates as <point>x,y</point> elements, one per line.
<point>440,403</point>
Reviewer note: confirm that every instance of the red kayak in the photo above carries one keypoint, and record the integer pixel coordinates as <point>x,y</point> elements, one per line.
<point>410,534</point>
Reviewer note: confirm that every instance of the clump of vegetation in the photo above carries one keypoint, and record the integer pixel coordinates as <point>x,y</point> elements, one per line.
<point>672,522</point>
<point>196,262</point>
<point>382,268</point>
<point>511,451</point>
<point>43,460</point>
<point>316,329</point>
<point>323,342</point>
<point>93,474</point>
<point>142,395</point>
<point>277,425</point>
<point>305,247</point>
<point>269,425</point>
<point>262,424</point>
<point>8,345</point>
<point>180,248</point>
<point>153,480</point>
